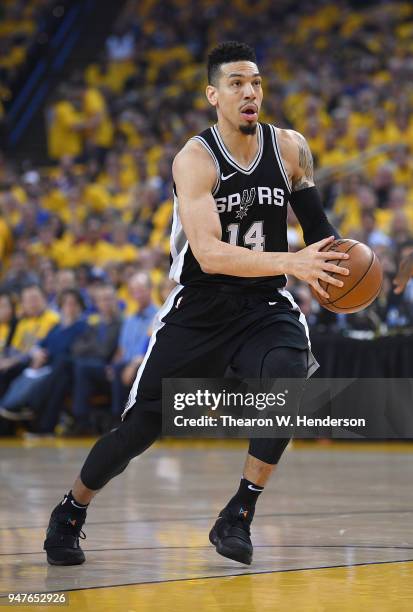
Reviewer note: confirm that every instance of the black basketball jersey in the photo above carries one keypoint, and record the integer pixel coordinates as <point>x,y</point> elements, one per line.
<point>252,206</point>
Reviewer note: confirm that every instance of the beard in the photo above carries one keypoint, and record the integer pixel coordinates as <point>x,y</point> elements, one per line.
<point>248,130</point>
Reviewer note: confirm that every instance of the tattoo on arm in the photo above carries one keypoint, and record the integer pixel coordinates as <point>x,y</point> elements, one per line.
<point>305,161</point>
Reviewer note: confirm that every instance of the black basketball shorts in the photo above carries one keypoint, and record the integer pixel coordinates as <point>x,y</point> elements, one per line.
<point>207,332</point>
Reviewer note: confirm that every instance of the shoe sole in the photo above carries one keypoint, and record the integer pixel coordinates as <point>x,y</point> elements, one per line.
<point>240,555</point>
<point>73,562</point>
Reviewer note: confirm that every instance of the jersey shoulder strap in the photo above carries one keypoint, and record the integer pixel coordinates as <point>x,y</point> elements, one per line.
<point>206,139</point>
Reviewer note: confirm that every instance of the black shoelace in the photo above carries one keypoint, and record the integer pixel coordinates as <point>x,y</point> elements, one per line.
<point>72,529</point>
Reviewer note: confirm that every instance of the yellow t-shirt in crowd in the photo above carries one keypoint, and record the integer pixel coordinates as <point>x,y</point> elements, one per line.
<point>15,56</point>
<point>161,220</point>
<point>4,334</point>
<point>403,174</point>
<point>96,197</point>
<point>30,330</point>
<point>123,254</point>
<point>63,139</point>
<point>97,254</point>
<point>54,200</point>
<point>94,104</point>
<point>346,207</point>
<point>332,158</point>
<point>6,239</point>
<point>114,78</point>
<point>55,251</point>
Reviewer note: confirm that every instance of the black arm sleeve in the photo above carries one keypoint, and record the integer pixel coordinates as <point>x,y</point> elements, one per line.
<point>309,211</point>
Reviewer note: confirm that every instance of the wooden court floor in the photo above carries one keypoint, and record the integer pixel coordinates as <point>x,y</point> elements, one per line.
<point>333,530</point>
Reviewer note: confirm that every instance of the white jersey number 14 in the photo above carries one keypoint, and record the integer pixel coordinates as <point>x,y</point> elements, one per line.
<point>253,238</point>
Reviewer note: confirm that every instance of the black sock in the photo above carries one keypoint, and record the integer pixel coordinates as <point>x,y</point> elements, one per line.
<point>70,504</point>
<point>244,500</point>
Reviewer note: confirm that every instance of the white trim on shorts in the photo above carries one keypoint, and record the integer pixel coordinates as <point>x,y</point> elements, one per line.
<point>157,325</point>
<point>313,364</point>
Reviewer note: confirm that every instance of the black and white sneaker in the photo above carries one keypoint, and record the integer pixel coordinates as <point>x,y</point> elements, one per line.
<point>231,537</point>
<point>62,538</point>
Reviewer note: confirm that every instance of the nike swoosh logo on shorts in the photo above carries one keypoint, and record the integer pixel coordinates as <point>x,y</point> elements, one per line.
<point>225,178</point>
<point>272,303</point>
<point>253,488</point>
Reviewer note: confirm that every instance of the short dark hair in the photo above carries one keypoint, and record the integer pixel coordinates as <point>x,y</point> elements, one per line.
<point>231,51</point>
<point>75,293</point>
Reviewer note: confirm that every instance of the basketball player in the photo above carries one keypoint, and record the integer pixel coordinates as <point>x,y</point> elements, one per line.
<point>232,184</point>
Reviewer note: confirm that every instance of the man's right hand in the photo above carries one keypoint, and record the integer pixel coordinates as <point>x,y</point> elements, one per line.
<point>312,265</point>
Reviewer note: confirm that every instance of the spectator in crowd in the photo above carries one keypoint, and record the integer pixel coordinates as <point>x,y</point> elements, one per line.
<point>400,302</point>
<point>32,218</point>
<point>121,44</point>
<point>19,37</point>
<point>8,322</point>
<point>165,289</point>
<point>404,278</point>
<point>19,274</point>
<point>54,281</point>
<point>120,373</point>
<point>98,126</point>
<point>122,250</point>
<point>46,356</point>
<point>369,234</point>
<point>93,347</point>
<point>36,322</point>
<point>303,297</point>
<point>65,125</point>
<point>6,239</point>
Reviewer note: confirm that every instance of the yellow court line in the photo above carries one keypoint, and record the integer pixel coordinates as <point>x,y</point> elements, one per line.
<point>382,587</point>
<point>324,446</point>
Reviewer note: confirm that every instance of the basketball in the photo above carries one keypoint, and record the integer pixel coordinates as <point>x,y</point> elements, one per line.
<point>361,286</point>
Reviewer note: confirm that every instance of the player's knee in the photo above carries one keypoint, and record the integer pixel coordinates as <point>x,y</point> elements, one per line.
<point>138,431</point>
<point>112,453</point>
<point>284,362</point>
<point>279,362</point>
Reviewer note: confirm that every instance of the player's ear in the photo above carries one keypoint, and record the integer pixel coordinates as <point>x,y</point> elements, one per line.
<point>212,95</point>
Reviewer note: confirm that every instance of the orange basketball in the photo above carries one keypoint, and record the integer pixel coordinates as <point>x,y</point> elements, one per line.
<point>361,286</point>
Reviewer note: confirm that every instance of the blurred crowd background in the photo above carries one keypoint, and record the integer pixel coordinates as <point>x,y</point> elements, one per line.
<point>84,239</point>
